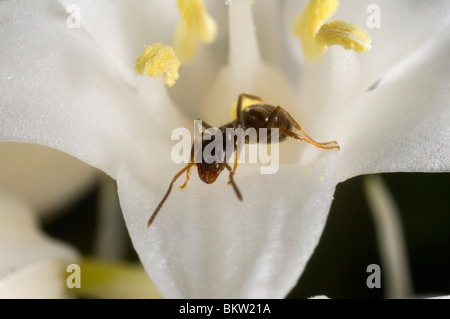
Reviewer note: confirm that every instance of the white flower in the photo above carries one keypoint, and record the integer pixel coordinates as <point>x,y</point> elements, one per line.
<point>75,89</point>
<point>45,178</point>
<point>31,264</point>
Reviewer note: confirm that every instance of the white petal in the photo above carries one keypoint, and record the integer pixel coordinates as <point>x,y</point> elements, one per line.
<point>61,92</point>
<point>319,297</point>
<point>403,124</point>
<point>31,264</point>
<point>45,178</point>
<point>405,26</point>
<point>325,87</point>
<point>206,244</point>
<point>121,28</point>
<point>440,297</point>
<point>39,280</point>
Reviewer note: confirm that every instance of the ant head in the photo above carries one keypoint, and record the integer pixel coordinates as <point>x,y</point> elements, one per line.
<point>208,173</point>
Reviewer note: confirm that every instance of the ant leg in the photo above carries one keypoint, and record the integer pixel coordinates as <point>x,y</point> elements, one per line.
<point>150,221</point>
<point>188,176</point>
<point>235,161</point>
<point>308,138</point>
<point>271,119</point>
<point>298,127</point>
<point>272,116</point>
<point>204,124</point>
<point>312,142</point>
<point>239,103</point>
<point>188,172</point>
<point>238,193</point>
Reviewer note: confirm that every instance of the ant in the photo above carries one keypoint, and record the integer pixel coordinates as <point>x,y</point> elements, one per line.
<point>259,115</point>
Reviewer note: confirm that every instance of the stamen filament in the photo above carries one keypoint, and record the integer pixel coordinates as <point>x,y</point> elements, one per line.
<point>195,25</point>
<point>244,51</point>
<point>308,23</point>
<point>390,237</point>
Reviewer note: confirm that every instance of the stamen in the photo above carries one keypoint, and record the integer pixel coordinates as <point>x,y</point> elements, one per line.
<point>390,237</point>
<point>244,50</point>
<point>157,60</point>
<point>316,36</point>
<point>308,23</point>
<point>348,35</point>
<point>195,25</point>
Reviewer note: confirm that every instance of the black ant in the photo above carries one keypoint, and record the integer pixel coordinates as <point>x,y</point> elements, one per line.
<point>255,116</point>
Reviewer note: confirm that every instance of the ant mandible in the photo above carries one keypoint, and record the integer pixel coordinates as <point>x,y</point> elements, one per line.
<point>259,115</point>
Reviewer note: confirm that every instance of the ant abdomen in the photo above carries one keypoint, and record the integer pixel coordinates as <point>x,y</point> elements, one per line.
<point>257,116</point>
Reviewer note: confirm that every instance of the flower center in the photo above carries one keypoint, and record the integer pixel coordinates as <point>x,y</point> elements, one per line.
<point>157,60</point>
<point>316,36</point>
<point>195,25</point>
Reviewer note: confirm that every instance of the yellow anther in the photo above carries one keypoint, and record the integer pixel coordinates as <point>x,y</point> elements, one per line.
<point>157,60</point>
<point>195,25</point>
<point>348,35</point>
<point>316,36</point>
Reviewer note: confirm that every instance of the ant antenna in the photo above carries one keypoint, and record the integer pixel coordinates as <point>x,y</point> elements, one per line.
<point>150,221</point>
